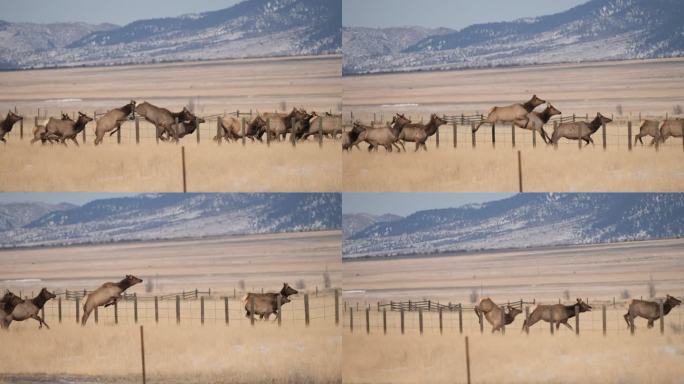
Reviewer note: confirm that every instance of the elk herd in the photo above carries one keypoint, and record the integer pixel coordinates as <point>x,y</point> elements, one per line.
<point>14,308</point>
<point>522,115</point>
<point>173,126</point>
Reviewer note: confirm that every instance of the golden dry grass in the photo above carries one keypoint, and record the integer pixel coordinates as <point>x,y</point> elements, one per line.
<point>495,169</point>
<point>515,358</point>
<point>192,354</point>
<point>149,167</point>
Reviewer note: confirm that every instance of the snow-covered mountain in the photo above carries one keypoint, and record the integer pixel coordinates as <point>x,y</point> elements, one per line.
<point>594,31</point>
<point>353,223</point>
<point>525,220</point>
<point>170,215</point>
<point>16,215</point>
<point>252,28</point>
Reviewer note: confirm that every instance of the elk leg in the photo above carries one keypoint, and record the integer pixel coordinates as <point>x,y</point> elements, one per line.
<point>626,316</point>
<point>75,141</point>
<point>111,302</point>
<point>567,325</point>
<point>650,324</point>
<point>266,316</point>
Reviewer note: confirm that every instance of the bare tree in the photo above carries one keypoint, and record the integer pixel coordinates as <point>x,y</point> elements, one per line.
<point>300,284</point>
<point>474,296</point>
<point>677,109</point>
<point>618,109</point>
<point>625,294</point>
<point>241,285</point>
<point>566,294</point>
<point>651,288</point>
<point>326,280</point>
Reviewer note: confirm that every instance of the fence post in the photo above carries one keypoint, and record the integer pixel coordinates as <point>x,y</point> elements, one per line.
<point>156,309</point>
<point>268,132</point>
<point>440,321</point>
<point>401,317</point>
<point>367,321</point>
<point>513,134</point>
<point>603,315</point>
<point>662,318</point>
<point>472,132</point>
<point>178,317</point>
<point>631,322</point>
<point>467,360</point>
<point>520,179</point>
<point>437,137</point>
<point>251,310</point>
<point>603,132</point>
<point>59,309</point>
<point>577,323</point>
<point>351,319</point>
<point>197,129</point>
<point>293,134</point>
<point>78,309</point>
<point>420,320</point>
<point>116,312</point>
<point>135,308</point>
<point>479,318</point>
<point>185,184</point>
<point>226,316</point>
<point>242,130</point>
<point>306,309</point>
<point>629,135</point>
<point>493,135</point>
<point>137,130</point>
<point>527,320</point>
<point>384,321</point>
<point>503,322</point>
<point>320,132</point>
<point>455,142</point>
<point>202,310</point>
<point>460,319</point>
<point>551,327</point>
<point>118,136</point>
<point>534,139</point>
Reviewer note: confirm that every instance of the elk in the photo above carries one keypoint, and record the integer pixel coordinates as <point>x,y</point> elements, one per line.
<point>107,294</point>
<point>39,131</point>
<point>419,133</point>
<point>514,113</point>
<point>495,314</point>
<point>580,130</point>
<point>7,304</point>
<point>555,314</point>
<point>386,136</point>
<point>112,120</point>
<point>536,121</point>
<point>649,310</point>
<point>267,303</point>
<point>329,125</point>
<point>62,130</point>
<point>230,128</point>
<point>28,309</point>
<point>672,127</point>
<point>648,128</point>
<point>8,123</point>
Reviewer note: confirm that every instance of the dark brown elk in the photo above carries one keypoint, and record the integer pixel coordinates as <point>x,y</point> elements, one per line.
<point>349,138</point>
<point>39,130</point>
<point>7,304</point>
<point>112,120</point>
<point>230,128</point>
<point>62,130</point>
<point>536,121</point>
<point>555,314</point>
<point>495,315</point>
<point>672,127</point>
<point>185,128</point>
<point>266,304</point>
<point>28,309</point>
<point>419,133</point>
<point>8,123</point>
<point>514,113</point>
<point>579,130</point>
<point>329,125</point>
<point>648,128</point>
<point>649,310</point>
<point>107,294</point>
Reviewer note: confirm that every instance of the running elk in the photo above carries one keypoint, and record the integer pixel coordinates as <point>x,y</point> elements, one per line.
<point>649,310</point>
<point>7,124</point>
<point>555,314</point>
<point>514,113</point>
<point>28,309</point>
<point>112,120</point>
<point>580,130</point>
<point>108,294</point>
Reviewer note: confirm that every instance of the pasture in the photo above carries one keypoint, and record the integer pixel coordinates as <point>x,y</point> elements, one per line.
<point>132,160</point>
<point>602,275</point>
<point>195,324</point>
<point>458,160</point>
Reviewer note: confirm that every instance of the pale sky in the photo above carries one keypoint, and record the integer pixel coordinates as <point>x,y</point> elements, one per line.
<point>402,203</point>
<point>456,14</point>
<point>119,12</point>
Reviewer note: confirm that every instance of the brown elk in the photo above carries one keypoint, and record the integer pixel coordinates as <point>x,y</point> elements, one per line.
<point>112,120</point>
<point>28,309</point>
<point>107,294</point>
<point>671,127</point>
<point>266,304</point>
<point>495,315</point>
<point>514,113</point>
<point>536,121</point>
<point>648,128</point>
<point>649,310</point>
<point>8,123</point>
<point>555,314</point>
<point>419,133</point>
<point>7,304</point>
<point>580,130</point>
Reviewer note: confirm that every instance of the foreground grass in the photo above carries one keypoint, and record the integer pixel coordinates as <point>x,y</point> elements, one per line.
<point>188,354</point>
<point>149,167</point>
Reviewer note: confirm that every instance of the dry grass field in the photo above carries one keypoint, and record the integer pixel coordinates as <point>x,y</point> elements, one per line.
<point>649,89</point>
<point>597,273</point>
<point>214,350</point>
<point>214,88</point>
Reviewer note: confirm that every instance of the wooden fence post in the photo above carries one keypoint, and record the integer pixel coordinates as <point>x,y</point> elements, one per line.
<point>135,308</point>
<point>219,137</point>
<point>178,316</point>
<point>226,315</point>
<point>493,135</point>
<point>384,321</point>
<point>367,321</point>
<point>78,309</point>
<point>118,136</point>
<point>603,316</point>
<point>662,318</point>
<point>197,129</point>
<point>440,321</point>
<point>242,130</point>
<point>351,319</point>
<point>251,310</point>
<point>551,327</point>
<point>534,139</point>
<point>185,185</point>
<point>116,312</point>
<point>401,317</point>
<point>527,320</point>
<point>631,322</point>
<point>420,320</point>
<point>479,318</point>
<point>520,178</point>
<point>337,307</point>
<point>306,309</point>
<point>460,319</point>
<point>577,322</point>
<point>513,135</point>
<point>603,133</point>
<point>293,133</point>
<point>455,128</point>
<point>320,132</point>
<point>503,322</point>
<point>629,135</point>
<point>202,310</point>
<point>467,350</point>
<point>472,132</point>
<point>59,309</point>
<point>137,130</point>
<point>156,309</point>
<point>437,137</point>
<point>142,352</point>
<point>268,132</point>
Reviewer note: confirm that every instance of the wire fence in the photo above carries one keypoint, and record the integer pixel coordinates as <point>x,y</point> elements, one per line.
<point>138,130</point>
<point>192,307</point>
<point>605,317</point>
<point>458,132</point>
